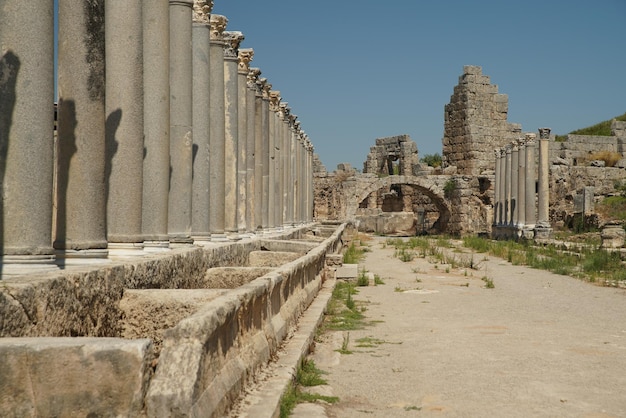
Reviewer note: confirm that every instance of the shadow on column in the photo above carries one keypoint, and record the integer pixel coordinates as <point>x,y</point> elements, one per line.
<point>66,150</point>
<point>9,68</point>
<point>111,145</point>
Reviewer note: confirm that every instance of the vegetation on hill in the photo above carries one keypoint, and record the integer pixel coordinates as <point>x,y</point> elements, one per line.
<point>601,129</point>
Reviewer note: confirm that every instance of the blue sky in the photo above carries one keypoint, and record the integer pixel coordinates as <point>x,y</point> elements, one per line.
<point>356,70</point>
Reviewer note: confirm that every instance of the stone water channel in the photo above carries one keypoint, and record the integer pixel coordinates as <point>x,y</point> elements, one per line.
<point>175,334</point>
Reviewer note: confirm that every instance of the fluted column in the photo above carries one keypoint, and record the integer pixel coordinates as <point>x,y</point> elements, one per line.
<point>156,162</point>
<point>26,131</point>
<point>521,181</point>
<point>543,220</point>
<point>181,120</point>
<point>124,126</point>
<point>201,99</point>
<point>243,68</point>
<point>217,138</point>
<point>80,232</point>
<point>530,181</point>
<point>265,158</point>
<point>514,185</point>
<point>231,109</point>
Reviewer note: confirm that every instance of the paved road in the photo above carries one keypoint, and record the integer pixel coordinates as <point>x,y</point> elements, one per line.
<point>536,345</point>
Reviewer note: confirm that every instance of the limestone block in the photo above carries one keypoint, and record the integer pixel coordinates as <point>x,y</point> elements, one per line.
<point>612,236</point>
<point>271,258</point>
<point>347,271</point>
<point>71,377</point>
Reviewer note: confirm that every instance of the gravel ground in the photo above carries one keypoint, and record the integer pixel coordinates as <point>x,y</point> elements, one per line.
<point>537,344</point>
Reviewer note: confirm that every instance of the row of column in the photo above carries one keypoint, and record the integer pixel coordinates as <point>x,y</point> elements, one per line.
<point>180,141</point>
<point>515,188</point>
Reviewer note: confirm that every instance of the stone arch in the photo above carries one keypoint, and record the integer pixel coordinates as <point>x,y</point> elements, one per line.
<point>430,186</point>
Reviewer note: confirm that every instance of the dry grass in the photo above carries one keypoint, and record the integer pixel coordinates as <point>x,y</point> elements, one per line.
<point>610,158</point>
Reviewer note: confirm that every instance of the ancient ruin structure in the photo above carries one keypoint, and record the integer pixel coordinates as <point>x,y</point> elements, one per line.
<point>175,163</point>
<point>524,188</point>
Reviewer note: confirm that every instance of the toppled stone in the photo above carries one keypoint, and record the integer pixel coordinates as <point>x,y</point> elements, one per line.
<point>612,236</point>
<point>347,271</point>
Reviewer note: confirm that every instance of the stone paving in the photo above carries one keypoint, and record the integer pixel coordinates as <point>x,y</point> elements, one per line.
<point>537,344</point>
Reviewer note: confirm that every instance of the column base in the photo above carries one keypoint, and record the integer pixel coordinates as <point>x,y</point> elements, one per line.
<point>219,237</point>
<point>125,250</point>
<point>233,236</point>
<point>156,246</point>
<point>542,232</point>
<point>22,265</point>
<point>82,257</point>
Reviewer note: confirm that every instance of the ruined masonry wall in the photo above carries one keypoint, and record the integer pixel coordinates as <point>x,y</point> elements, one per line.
<point>475,123</point>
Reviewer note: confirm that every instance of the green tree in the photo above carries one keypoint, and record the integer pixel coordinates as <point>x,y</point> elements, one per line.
<point>433,160</point>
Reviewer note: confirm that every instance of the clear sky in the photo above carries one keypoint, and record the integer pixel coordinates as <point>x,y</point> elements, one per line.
<point>357,70</point>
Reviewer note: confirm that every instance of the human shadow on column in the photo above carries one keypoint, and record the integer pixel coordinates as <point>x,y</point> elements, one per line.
<point>111,145</point>
<point>9,68</point>
<point>66,150</point>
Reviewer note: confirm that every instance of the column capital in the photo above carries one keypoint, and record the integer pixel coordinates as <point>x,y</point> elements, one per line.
<point>544,133</point>
<point>232,39</point>
<point>265,87</point>
<point>202,11</point>
<point>275,98</point>
<point>514,145</point>
<point>218,26</point>
<point>530,139</point>
<point>253,77</point>
<point>521,142</point>
<point>497,152</point>
<point>245,55</point>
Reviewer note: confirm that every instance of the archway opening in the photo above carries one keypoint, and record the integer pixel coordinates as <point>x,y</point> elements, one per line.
<point>403,209</point>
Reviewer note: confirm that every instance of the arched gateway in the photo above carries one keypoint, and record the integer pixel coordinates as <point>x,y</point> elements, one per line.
<point>431,186</point>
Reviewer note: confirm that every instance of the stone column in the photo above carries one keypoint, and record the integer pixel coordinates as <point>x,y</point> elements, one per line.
<point>507,185</point>
<point>286,157</point>
<point>274,99</point>
<point>543,229</point>
<point>276,174</point>
<point>124,126</point>
<point>496,189</point>
<point>201,99</point>
<point>521,184</point>
<point>514,184</point>
<point>303,191</point>
<point>258,151</point>
<point>250,151</point>
<point>244,57</point>
<point>279,167</point>
<point>80,198</point>
<point>217,141</point>
<point>292,170</point>
<point>265,157</point>
<point>502,186</point>
<point>231,109</point>
<point>181,119</point>
<point>530,181</point>
<point>299,184</point>
<point>26,132</point>
<point>156,99</point>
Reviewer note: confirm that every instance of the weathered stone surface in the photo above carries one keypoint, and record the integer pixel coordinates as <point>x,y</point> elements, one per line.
<point>63,377</point>
<point>232,277</point>
<point>271,258</point>
<point>347,271</point>
<point>148,313</point>
<point>612,236</point>
<point>389,223</point>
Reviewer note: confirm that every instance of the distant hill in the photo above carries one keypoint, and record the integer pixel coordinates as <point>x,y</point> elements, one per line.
<point>601,129</point>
